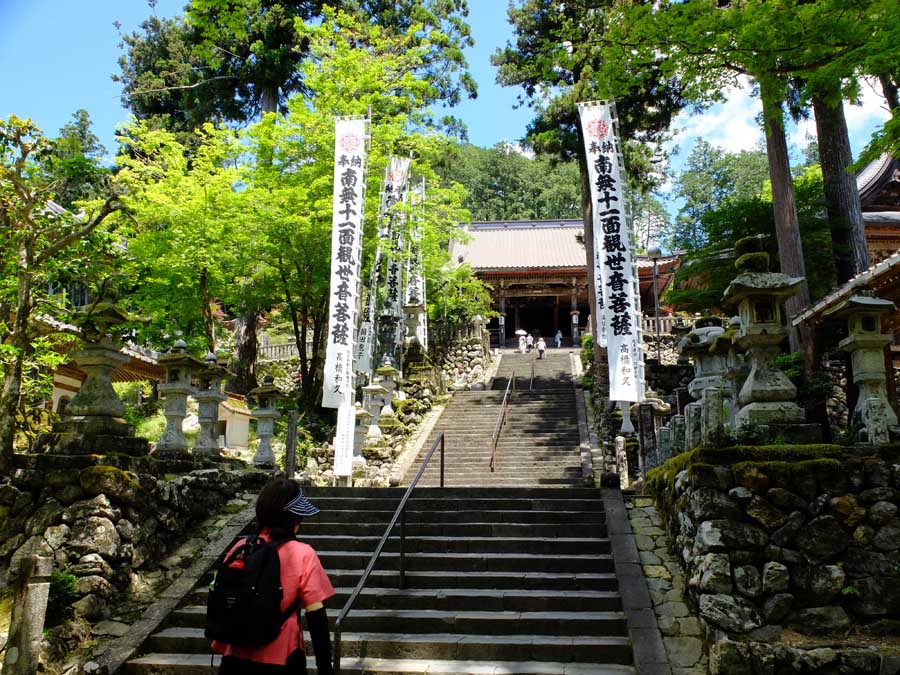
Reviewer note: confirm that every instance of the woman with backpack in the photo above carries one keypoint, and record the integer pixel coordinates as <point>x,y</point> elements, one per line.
<point>272,559</point>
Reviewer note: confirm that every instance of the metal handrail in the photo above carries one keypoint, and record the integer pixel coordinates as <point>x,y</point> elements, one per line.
<point>531,381</point>
<point>400,514</point>
<point>495,439</point>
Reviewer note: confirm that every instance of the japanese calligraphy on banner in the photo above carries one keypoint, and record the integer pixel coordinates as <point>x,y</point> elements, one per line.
<point>398,175</point>
<point>415,278</point>
<point>618,302</point>
<point>346,246</point>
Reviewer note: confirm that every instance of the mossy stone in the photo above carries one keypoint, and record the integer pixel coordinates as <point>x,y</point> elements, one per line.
<point>115,483</point>
<point>747,245</point>
<point>753,262</point>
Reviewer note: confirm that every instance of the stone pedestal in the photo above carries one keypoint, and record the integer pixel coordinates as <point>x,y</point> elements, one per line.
<point>709,372</point>
<point>179,367</point>
<point>647,456</point>
<point>92,423</point>
<point>664,444</point>
<point>621,462</point>
<point>209,395</point>
<point>712,416</point>
<point>679,431</point>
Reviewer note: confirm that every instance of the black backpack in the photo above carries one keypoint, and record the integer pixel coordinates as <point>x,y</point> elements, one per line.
<point>244,605</point>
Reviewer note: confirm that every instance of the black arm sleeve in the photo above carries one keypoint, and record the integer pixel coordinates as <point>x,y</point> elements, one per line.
<point>317,622</point>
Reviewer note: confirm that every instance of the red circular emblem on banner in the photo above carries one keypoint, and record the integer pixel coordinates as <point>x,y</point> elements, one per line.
<point>598,129</point>
<point>350,142</point>
<point>396,176</point>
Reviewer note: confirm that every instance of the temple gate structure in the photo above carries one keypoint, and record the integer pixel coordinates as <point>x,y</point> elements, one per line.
<point>538,274</point>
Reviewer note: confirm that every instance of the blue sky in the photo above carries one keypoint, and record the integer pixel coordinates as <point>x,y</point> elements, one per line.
<point>56,56</point>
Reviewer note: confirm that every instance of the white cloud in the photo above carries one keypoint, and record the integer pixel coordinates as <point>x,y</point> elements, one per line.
<point>730,125</point>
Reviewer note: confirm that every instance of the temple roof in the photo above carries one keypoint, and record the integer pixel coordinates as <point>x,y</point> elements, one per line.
<point>528,244</point>
<point>878,183</point>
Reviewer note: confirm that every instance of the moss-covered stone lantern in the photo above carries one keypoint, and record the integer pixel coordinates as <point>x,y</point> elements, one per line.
<point>866,342</point>
<point>265,413</point>
<point>767,395</point>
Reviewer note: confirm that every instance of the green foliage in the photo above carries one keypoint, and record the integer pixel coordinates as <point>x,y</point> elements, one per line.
<point>556,57</point>
<point>700,283</point>
<point>813,390</point>
<point>747,245</point>
<point>753,262</point>
<point>587,350</point>
<point>62,594</point>
<point>503,184</point>
<point>229,62</point>
<point>713,179</point>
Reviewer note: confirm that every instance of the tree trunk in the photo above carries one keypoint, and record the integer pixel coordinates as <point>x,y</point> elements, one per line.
<point>587,216</point>
<point>848,235</point>
<point>890,91</point>
<point>787,227</point>
<point>209,326</point>
<point>12,377</point>
<point>243,362</point>
<point>269,100</point>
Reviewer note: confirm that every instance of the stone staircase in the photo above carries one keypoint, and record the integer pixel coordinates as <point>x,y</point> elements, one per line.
<point>551,372</point>
<point>539,444</point>
<point>500,580</point>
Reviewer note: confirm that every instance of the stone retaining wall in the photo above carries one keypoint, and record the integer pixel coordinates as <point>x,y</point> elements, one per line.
<point>806,538</point>
<point>102,523</point>
<point>464,363</point>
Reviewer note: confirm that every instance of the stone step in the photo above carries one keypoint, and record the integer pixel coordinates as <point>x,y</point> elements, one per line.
<point>187,639</point>
<point>452,503</point>
<point>611,649</point>
<point>447,599</point>
<point>501,516</point>
<point>470,544</point>
<point>472,562</point>
<point>204,664</point>
<point>474,529</point>
<point>350,494</point>
<point>531,583</point>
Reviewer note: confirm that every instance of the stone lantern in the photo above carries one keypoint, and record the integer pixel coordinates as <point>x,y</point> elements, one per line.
<point>363,419</point>
<point>373,401</point>
<point>179,367</point>
<point>389,378</point>
<point>709,372</point>
<point>209,395</point>
<point>414,319</point>
<point>767,395</point>
<point>865,342</point>
<point>265,414</point>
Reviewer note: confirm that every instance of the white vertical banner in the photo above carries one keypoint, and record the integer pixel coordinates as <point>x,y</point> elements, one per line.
<point>415,278</point>
<point>346,243</point>
<point>343,438</point>
<point>618,308</point>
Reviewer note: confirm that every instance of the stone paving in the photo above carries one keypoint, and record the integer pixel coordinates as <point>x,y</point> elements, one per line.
<point>682,636</point>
